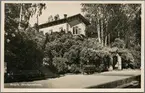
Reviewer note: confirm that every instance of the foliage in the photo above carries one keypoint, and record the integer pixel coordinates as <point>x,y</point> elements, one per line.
<point>24,53</point>
<point>60,64</point>
<point>23,47</point>
<point>73,54</point>
<point>126,55</point>
<point>75,68</point>
<point>77,51</point>
<point>35,36</point>
<point>127,58</point>
<point>92,43</point>
<point>137,57</point>
<point>95,57</point>
<point>110,21</point>
<point>118,43</point>
<point>25,75</point>
<point>29,49</point>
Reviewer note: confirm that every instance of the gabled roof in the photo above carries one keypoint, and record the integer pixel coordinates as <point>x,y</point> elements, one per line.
<point>64,20</point>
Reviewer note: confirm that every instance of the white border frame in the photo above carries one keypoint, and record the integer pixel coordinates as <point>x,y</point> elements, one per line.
<point>72,90</point>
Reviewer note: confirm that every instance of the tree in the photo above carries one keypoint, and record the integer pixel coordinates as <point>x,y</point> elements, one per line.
<point>37,9</point>
<point>28,10</point>
<point>22,50</point>
<point>112,21</point>
<point>118,43</point>
<point>24,15</point>
<point>50,18</point>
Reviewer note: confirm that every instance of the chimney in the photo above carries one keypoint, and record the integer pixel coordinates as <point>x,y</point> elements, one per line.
<point>65,16</point>
<point>55,18</point>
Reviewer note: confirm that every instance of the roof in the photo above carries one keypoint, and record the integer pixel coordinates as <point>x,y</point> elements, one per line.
<point>64,20</point>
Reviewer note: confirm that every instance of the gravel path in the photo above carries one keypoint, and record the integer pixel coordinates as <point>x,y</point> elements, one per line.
<point>77,81</point>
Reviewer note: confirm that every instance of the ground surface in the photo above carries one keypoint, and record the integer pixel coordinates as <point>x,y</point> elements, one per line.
<point>77,81</point>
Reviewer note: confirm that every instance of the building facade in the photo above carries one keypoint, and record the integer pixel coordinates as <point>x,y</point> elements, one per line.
<point>75,24</point>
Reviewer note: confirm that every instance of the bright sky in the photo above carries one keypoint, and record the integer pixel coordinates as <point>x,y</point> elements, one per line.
<point>57,8</point>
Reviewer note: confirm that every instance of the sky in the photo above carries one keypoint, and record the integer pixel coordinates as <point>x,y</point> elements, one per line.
<point>57,8</point>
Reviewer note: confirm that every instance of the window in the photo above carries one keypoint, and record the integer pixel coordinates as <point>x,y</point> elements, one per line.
<point>73,30</point>
<point>76,30</point>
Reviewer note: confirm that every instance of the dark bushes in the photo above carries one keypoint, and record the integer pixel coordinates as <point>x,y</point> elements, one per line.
<point>118,43</point>
<point>127,59</point>
<point>24,75</point>
<point>75,68</point>
<point>60,64</point>
<point>76,52</point>
<point>64,53</point>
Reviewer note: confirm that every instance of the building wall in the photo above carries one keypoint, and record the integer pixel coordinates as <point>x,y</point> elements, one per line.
<point>82,26</point>
<point>56,28</point>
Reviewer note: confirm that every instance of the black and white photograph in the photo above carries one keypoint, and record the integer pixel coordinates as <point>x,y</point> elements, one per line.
<point>68,45</point>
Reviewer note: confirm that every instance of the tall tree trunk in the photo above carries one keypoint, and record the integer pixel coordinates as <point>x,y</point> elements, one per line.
<point>106,31</point>
<point>37,19</point>
<point>109,39</point>
<point>98,31</point>
<point>105,40</point>
<point>20,16</point>
<point>37,23</point>
<point>102,34</point>
<point>118,34</point>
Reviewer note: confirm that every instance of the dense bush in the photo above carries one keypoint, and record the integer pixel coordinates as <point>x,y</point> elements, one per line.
<point>63,50</point>
<point>92,43</point>
<point>78,51</point>
<point>131,58</point>
<point>60,64</point>
<point>136,52</point>
<point>75,68</point>
<point>23,53</point>
<point>118,43</point>
<point>127,58</point>
<point>73,54</point>
<point>26,75</point>
<point>79,37</point>
<point>95,57</point>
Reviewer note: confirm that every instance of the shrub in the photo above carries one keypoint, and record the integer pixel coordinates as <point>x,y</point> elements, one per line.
<point>73,54</point>
<point>127,58</point>
<point>136,52</point>
<point>68,43</point>
<point>53,49</point>
<point>100,68</point>
<point>66,36</point>
<point>25,53</point>
<point>79,37</point>
<point>126,55</point>
<point>118,43</point>
<point>60,64</point>
<point>94,57</point>
<point>92,43</point>
<point>137,57</point>
<point>74,68</point>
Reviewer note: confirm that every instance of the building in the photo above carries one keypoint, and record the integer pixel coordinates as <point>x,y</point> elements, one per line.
<point>76,24</point>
